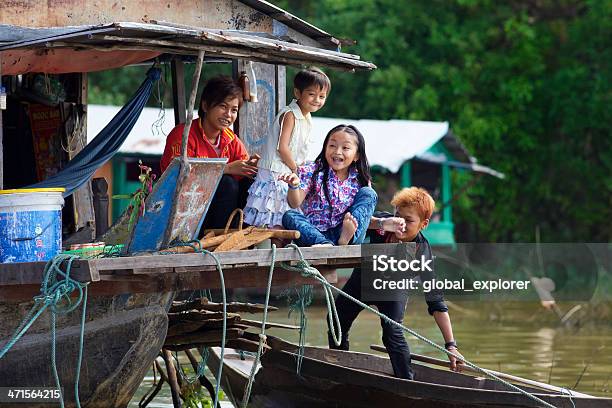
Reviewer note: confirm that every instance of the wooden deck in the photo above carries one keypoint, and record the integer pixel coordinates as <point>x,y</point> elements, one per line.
<point>175,272</point>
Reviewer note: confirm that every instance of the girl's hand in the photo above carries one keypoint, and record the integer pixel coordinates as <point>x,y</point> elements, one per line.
<point>292,179</point>
<point>394,224</point>
<point>241,168</point>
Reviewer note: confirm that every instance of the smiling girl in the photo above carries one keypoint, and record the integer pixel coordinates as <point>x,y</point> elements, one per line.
<point>333,192</point>
<point>210,136</point>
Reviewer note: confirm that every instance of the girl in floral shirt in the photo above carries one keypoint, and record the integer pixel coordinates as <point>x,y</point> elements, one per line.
<point>333,193</point>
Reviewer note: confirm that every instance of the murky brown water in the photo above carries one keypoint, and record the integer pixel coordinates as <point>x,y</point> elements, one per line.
<point>517,338</point>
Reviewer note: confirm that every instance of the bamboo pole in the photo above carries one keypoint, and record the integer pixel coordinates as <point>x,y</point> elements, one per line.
<point>509,377</point>
<point>172,378</point>
<point>205,304</point>
<point>192,98</point>
<point>149,396</point>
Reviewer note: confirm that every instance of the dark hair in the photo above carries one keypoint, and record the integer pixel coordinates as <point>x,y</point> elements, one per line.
<point>217,90</point>
<point>362,165</point>
<point>311,76</point>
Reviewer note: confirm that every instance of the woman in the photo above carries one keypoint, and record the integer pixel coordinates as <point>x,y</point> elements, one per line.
<point>210,136</point>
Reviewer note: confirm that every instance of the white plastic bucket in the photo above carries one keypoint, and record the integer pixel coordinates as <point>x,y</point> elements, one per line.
<point>30,224</point>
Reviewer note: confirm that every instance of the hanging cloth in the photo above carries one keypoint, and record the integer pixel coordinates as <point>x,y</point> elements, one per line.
<point>106,143</point>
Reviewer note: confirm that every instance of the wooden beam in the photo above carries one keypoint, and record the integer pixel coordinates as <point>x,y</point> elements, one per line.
<point>175,389</point>
<point>31,273</point>
<point>350,254</point>
<point>217,51</point>
<point>1,137</point>
<point>178,90</point>
<point>250,45</point>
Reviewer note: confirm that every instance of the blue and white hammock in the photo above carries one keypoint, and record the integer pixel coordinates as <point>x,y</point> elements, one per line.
<point>106,143</point>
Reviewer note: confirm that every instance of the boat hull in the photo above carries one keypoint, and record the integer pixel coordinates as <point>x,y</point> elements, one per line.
<point>123,335</point>
<point>332,378</point>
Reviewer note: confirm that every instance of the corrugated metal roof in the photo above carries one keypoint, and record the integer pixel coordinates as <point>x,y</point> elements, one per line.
<point>172,39</point>
<point>294,22</point>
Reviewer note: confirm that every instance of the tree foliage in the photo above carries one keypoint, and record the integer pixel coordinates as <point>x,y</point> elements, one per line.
<point>525,85</point>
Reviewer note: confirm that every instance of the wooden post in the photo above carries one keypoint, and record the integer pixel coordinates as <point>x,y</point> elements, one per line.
<point>1,143</point>
<point>99,187</point>
<point>172,378</point>
<point>256,118</point>
<point>192,98</point>
<point>178,90</point>
<point>82,198</point>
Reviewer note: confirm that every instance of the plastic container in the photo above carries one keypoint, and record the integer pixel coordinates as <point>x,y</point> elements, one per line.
<point>30,224</point>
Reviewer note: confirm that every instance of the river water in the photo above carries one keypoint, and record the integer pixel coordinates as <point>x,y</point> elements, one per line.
<point>519,338</point>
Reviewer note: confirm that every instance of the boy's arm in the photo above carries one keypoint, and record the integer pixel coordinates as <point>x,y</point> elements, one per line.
<point>287,123</point>
<point>382,220</point>
<point>436,306</point>
<point>444,324</point>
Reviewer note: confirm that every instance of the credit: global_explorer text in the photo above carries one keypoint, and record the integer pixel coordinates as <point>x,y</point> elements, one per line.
<point>446,284</point>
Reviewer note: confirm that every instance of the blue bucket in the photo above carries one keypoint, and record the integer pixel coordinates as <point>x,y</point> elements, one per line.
<point>30,224</point>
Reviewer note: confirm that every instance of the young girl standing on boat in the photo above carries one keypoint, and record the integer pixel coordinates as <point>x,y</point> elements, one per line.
<point>286,149</point>
<point>334,192</point>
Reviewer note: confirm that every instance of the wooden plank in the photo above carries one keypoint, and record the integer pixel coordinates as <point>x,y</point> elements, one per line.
<point>205,304</point>
<point>31,273</point>
<point>213,50</point>
<point>350,254</point>
<point>180,328</point>
<point>255,323</point>
<point>114,285</point>
<point>206,336</point>
<point>246,345</point>
<point>257,117</point>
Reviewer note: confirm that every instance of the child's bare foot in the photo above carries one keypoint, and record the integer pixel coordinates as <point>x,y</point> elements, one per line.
<point>349,226</point>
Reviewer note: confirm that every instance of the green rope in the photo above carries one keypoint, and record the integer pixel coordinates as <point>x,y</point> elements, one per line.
<point>199,371</point>
<point>195,244</point>
<point>262,335</point>
<point>300,303</point>
<point>308,271</point>
<point>332,314</point>
<point>55,295</point>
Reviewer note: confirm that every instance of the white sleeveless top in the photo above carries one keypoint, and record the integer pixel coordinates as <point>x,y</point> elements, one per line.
<point>298,145</point>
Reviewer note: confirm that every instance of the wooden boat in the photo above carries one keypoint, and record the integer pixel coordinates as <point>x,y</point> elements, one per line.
<point>334,378</point>
<point>123,334</point>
